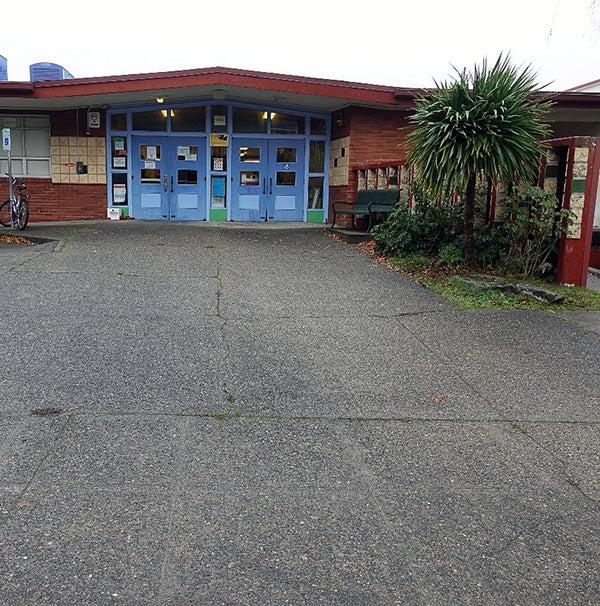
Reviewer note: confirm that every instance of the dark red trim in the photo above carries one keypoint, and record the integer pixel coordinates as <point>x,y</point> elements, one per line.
<point>16,89</point>
<point>217,76</point>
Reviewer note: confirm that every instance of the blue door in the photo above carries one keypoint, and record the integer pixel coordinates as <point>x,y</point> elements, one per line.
<point>286,180</point>
<point>150,178</point>
<point>169,178</point>
<point>250,170</point>
<point>187,179</point>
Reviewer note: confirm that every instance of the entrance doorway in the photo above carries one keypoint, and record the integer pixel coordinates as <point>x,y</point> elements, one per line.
<point>267,179</point>
<point>169,178</point>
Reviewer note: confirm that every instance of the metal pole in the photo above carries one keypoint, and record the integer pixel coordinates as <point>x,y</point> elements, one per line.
<point>10,185</point>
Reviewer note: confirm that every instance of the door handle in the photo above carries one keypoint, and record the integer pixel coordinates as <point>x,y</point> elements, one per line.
<point>166,183</point>
<point>171,183</point>
<point>270,185</point>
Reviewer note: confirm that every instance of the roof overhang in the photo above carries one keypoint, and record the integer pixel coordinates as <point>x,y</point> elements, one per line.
<point>209,83</point>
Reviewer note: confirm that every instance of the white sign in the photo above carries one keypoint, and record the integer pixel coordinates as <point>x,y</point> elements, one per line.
<point>93,119</point>
<point>183,150</point>
<point>218,164</point>
<point>149,164</point>
<point>119,193</point>
<point>119,143</point>
<point>119,162</point>
<point>219,120</point>
<point>114,214</point>
<point>191,157</point>
<point>151,153</point>
<point>6,139</point>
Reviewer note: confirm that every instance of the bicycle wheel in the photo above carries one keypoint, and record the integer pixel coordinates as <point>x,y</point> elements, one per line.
<point>22,217</point>
<point>5,214</point>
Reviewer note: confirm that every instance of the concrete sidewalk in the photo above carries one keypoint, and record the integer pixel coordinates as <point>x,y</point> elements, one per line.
<point>236,416</point>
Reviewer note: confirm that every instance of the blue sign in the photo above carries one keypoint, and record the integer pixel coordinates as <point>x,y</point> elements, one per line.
<point>6,139</point>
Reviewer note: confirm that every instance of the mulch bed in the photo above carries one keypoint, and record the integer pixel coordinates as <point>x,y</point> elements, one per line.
<point>19,240</point>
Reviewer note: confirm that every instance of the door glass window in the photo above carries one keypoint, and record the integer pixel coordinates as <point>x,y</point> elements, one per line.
<point>316,162</point>
<point>187,153</point>
<point>249,120</point>
<point>118,122</point>
<point>286,154</point>
<point>249,178</point>
<point>317,126</point>
<point>286,178</point>
<point>154,120</point>
<point>150,152</point>
<point>315,192</point>
<point>187,177</point>
<point>284,124</point>
<point>250,154</point>
<point>150,175</point>
<point>188,119</point>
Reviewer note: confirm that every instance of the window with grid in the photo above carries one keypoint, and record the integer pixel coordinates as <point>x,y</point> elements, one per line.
<point>30,146</point>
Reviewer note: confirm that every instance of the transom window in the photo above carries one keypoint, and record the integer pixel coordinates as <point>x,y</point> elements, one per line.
<point>30,146</point>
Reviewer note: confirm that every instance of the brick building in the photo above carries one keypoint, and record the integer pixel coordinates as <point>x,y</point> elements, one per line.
<point>216,144</point>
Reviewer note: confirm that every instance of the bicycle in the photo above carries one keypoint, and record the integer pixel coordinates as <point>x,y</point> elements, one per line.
<point>15,211</point>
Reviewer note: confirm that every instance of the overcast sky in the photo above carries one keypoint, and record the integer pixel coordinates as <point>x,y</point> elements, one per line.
<point>398,43</point>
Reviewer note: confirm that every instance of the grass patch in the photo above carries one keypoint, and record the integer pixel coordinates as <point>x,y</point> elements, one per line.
<point>453,288</point>
<point>450,285</point>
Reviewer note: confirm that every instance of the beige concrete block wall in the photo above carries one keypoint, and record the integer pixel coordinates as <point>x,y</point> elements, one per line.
<point>339,161</point>
<point>68,150</point>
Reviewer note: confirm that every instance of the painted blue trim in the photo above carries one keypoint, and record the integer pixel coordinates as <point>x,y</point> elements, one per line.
<point>129,109</point>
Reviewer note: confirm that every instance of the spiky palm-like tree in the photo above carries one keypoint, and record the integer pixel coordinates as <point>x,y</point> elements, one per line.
<point>486,123</point>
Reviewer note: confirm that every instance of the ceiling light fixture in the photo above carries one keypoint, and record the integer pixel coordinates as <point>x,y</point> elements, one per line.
<point>160,99</point>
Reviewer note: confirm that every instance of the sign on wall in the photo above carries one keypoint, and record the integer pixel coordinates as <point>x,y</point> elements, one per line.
<point>6,139</point>
<point>93,119</point>
<point>219,140</point>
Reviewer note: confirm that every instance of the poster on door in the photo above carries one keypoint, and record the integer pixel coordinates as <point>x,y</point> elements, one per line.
<point>119,194</point>
<point>151,152</point>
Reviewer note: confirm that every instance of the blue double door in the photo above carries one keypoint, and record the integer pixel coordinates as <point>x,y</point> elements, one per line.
<point>268,179</point>
<point>169,178</point>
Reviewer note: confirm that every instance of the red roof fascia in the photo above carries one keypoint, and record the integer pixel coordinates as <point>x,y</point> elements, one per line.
<point>16,89</point>
<point>217,76</point>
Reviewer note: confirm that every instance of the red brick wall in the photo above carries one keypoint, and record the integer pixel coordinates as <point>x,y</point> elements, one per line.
<point>375,135</point>
<point>63,201</point>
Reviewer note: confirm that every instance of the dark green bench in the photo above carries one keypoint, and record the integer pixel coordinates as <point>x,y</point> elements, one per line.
<point>368,202</point>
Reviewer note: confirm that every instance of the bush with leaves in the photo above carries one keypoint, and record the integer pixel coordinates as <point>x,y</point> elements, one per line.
<point>425,228</point>
<point>536,223</point>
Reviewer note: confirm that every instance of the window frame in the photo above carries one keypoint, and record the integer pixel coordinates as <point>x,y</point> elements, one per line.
<point>24,157</point>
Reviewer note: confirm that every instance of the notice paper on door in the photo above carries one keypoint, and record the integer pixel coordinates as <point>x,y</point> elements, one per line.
<point>151,152</point>
<point>183,150</point>
<point>149,164</point>
<point>119,193</point>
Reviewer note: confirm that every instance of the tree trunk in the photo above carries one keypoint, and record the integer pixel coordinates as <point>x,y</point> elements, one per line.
<point>470,221</point>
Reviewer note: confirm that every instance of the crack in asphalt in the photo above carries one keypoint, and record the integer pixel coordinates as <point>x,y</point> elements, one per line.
<point>46,456</point>
<point>229,396</point>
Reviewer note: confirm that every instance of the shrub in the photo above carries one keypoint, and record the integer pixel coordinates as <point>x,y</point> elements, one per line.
<point>451,255</point>
<point>491,246</point>
<point>536,224</point>
<point>424,229</point>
